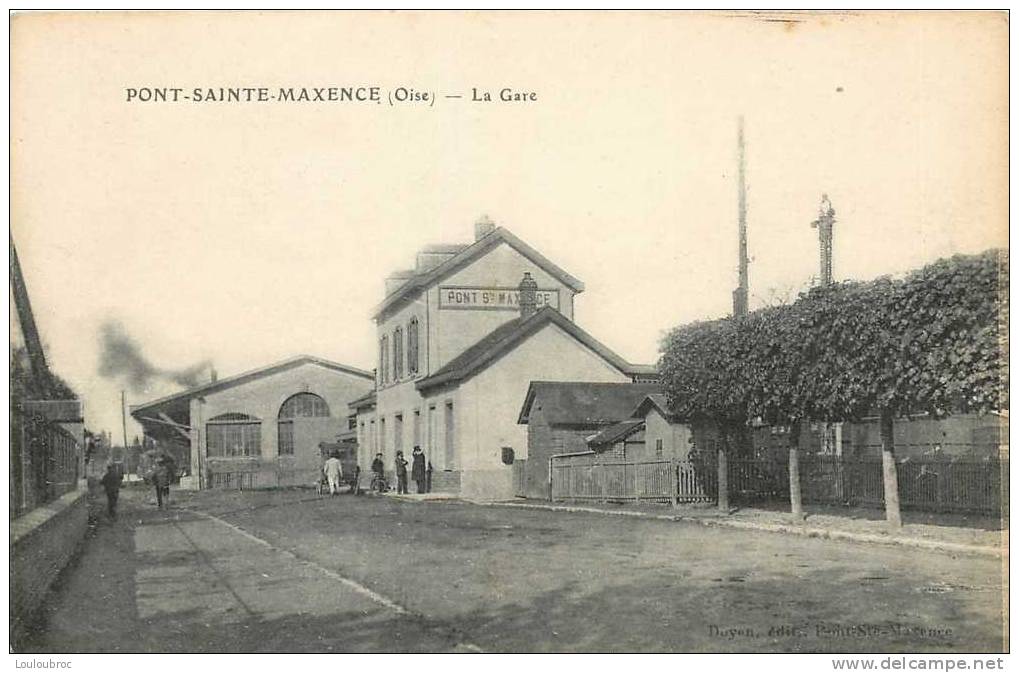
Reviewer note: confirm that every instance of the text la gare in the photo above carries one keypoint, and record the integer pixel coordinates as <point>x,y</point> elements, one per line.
<point>506,95</point>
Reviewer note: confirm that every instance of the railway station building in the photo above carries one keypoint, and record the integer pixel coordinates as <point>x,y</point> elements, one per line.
<point>460,338</point>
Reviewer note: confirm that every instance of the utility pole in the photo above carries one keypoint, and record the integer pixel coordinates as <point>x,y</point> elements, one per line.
<point>825,224</point>
<point>741,293</point>
<point>123,418</point>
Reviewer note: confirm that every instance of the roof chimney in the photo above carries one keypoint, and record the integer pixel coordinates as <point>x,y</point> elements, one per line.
<point>483,227</point>
<point>528,296</point>
<point>213,376</point>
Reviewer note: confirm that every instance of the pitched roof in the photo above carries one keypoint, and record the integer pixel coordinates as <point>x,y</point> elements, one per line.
<point>465,256</point>
<point>615,433</point>
<point>585,404</point>
<point>504,338</point>
<point>654,401</point>
<point>229,382</point>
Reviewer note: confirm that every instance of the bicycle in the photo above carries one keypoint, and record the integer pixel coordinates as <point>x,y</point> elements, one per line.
<point>379,483</point>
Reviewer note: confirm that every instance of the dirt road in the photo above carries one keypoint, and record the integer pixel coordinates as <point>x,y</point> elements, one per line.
<point>292,571</point>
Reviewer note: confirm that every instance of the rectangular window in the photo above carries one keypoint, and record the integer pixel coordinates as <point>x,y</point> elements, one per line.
<point>450,438</point>
<point>417,427</point>
<point>286,438</point>
<point>398,433</point>
<point>233,440</point>
<point>384,360</point>
<point>431,431</point>
<point>397,354</point>
<point>412,346</point>
<point>659,447</point>
<point>619,450</point>
<point>382,435</point>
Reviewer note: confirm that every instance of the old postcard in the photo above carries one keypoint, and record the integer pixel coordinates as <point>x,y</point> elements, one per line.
<point>510,332</point>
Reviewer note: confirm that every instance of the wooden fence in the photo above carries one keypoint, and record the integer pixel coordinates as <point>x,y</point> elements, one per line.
<point>933,484</point>
<point>581,477</point>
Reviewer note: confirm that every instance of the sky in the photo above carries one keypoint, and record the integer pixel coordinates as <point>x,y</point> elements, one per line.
<point>246,233</point>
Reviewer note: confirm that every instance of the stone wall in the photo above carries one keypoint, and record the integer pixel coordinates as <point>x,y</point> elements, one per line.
<point>43,542</point>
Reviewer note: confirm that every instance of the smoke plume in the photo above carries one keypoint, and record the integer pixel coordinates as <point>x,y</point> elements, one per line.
<point>121,357</point>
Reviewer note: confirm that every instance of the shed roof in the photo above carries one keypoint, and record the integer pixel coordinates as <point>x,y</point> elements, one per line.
<point>615,433</point>
<point>584,404</point>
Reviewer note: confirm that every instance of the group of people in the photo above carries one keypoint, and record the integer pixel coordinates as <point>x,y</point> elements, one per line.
<point>418,470</point>
<point>161,476</point>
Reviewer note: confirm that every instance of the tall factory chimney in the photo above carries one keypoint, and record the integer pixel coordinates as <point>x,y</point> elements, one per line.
<point>741,293</point>
<point>825,223</point>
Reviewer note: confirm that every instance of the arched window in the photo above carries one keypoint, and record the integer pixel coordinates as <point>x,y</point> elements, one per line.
<point>233,436</point>
<point>301,405</point>
<point>384,360</point>
<point>397,353</point>
<point>412,346</point>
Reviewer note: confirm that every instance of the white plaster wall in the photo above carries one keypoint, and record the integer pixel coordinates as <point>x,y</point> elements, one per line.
<point>447,333</point>
<point>456,330</point>
<point>491,401</point>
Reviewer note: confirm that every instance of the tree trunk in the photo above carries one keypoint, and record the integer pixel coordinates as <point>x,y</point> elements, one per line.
<point>795,499</point>
<point>892,513</point>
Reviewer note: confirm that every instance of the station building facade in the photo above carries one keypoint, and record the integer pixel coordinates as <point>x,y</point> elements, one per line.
<point>460,337</point>
<point>260,428</point>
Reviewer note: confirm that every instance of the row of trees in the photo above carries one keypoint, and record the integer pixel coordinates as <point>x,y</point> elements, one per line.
<point>933,342</point>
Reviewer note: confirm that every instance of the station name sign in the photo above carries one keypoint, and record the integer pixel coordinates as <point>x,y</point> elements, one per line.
<point>491,298</point>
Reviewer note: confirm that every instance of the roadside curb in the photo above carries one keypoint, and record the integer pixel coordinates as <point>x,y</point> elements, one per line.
<point>802,531</point>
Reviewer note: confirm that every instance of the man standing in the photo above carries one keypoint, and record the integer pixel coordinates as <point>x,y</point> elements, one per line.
<point>417,470</point>
<point>161,480</point>
<point>334,472</point>
<point>111,483</point>
<point>401,473</point>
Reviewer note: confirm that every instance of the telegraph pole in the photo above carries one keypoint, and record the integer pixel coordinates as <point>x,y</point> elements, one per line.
<point>123,419</point>
<point>825,224</point>
<point>736,435</point>
<point>741,293</point>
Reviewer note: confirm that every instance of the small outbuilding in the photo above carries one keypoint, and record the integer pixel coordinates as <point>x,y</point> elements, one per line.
<point>562,415</point>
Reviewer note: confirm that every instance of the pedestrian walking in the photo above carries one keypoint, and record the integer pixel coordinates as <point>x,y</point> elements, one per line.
<point>401,473</point>
<point>111,483</point>
<point>417,470</point>
<point>161,480</point>
<point>333,470</point>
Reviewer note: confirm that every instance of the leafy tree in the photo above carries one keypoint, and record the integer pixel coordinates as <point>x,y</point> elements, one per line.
<point>934,342</point>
